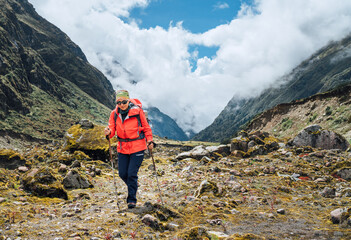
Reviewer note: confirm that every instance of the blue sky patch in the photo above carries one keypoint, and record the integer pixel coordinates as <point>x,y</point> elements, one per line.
<point>197,16</point>
<point>202,51</point>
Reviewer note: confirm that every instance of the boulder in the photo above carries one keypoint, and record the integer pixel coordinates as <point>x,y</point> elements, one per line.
<point>239,143</point>
<point>86,124</point>
<point>206,186</point>
<point>74,180</point>
<point>195,233</point>
<point>43,183</point>
<point>316,137</point>
<point>10,159</point>
<point>92,142</point>
<point>201,151</point>
<point>197,153</point>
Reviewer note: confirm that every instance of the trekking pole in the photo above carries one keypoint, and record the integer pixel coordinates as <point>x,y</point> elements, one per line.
<point>113,170</point>
<point>158,185</point>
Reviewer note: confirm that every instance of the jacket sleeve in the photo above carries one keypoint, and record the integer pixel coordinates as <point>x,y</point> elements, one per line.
<point>146,126</point>
<point>112,124</point>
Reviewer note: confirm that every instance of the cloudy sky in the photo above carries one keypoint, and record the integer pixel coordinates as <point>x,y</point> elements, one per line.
<point>190,57</point>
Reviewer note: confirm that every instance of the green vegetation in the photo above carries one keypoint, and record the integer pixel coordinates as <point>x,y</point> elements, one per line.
<point>313,117</point>
<point>286,123</point>
<point>328,111</point>
<point>49,118</point>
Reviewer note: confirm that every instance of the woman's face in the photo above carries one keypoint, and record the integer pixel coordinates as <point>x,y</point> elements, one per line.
<point>123,102</point>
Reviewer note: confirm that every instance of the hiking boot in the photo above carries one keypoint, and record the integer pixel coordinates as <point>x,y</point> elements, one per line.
<point>131,205</point>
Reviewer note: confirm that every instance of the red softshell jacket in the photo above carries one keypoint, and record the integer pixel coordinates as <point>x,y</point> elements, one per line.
<point>130,129</point>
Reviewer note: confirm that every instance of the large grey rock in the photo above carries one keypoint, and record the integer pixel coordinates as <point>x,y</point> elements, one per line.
<point>199,152</point>
<point>239,143</point>
<point>74,180</point>
<point>316,137</point>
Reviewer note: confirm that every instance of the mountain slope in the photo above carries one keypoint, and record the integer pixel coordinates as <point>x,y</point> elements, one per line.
<point>35,51</point>
<point>325,70</point>
<point>331,110</point>
<point>164,126</point>
<point>46,83</point>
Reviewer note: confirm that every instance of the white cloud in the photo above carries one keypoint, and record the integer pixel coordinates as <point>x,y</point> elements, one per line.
<point>263,43</point>
<point>221,5</point>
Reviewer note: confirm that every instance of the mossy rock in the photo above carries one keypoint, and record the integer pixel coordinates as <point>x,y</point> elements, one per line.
<point>11,159</point>
<point>247,236</point>
<point>195,233</point>
<point>207,186</point>
<point>92,142</point>
<point>43,183</point>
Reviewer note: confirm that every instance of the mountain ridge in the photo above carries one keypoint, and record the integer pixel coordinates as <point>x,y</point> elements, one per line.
<point>326,69</point>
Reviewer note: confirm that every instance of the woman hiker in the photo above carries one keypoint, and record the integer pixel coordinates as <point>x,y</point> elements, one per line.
<point>134,135</point>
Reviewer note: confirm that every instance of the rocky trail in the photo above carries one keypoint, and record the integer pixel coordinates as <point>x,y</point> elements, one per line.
<point>267,190</point>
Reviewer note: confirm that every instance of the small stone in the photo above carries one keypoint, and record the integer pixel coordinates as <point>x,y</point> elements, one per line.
<point>281,211</point>
<point>67,214</point>
<point>319,180</point>
<point>2,200</point>
<point>151,221</point>
<point>172,227</point>
<point>98,171</point>
<point>22,199</point>
<point>328,192</point>
<point>235,173</point>
<point>76,164</point>
<point>234,211</point>
<point>116,234</point>
<point>77,210</point>
<point>217,235</point>
<point>62,168</point>
<point>339,215</point>
<point>23,169</point>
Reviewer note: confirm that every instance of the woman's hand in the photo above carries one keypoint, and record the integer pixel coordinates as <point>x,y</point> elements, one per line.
<point>150,145</point>
<point>107,131</point>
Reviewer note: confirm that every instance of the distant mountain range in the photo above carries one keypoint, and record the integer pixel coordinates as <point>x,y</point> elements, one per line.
<point>164,126</point>
<point>327,69</point>
<point>46,82</point>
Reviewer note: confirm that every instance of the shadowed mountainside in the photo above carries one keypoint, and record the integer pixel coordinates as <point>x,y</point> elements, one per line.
<point>46,82</point>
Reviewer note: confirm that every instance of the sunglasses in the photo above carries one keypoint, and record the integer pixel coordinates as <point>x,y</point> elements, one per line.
<point>122,102</point>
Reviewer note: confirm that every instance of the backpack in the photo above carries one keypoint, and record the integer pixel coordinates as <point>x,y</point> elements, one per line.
<point>137,103</point>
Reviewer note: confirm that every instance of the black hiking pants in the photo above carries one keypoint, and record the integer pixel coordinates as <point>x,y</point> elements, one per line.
<point>128,167</point>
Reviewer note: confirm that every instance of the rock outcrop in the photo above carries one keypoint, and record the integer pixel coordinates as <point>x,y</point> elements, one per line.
<point>42,182</point>
<point>252,144</point>
<point>74,180</point>
<point>317,137</point>
<point>10,159</point>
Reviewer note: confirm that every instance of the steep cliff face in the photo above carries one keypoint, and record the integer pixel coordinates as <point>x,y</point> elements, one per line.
<point>328,68</point>
<point>46,83</point>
